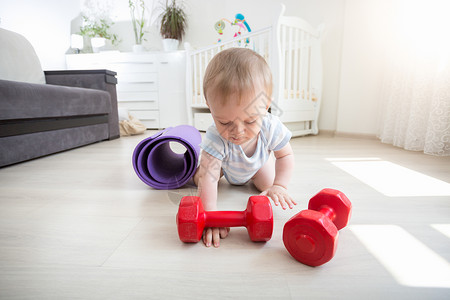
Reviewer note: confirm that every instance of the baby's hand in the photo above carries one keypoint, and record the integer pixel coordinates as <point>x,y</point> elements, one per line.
<point>279,195</point>
<point>214,235</point>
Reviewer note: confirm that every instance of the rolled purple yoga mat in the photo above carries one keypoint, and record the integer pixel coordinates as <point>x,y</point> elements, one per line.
<point>158,166</point>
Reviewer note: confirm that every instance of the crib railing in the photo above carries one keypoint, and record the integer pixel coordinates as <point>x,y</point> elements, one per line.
<point>297,74</point>
<point>198,60</point>
<point>296,43</point>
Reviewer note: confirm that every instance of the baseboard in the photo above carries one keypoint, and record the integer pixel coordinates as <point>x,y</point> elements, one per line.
<point>366,136</point>
<point>352,135</point>
<point>328,133</point>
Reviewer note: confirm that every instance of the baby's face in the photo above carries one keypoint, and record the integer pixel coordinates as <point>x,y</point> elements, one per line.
<point>239,123</point>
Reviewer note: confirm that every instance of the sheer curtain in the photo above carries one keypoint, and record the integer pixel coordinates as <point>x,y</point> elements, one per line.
<point>415,95</point>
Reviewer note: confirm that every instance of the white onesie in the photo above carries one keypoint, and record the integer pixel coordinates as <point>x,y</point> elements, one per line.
<point>237,167</point>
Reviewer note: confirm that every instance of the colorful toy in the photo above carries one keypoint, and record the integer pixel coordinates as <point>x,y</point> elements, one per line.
<point>219,27</point>
<point>311,235</point>
<point>239,21</point>
<point>192,219</point>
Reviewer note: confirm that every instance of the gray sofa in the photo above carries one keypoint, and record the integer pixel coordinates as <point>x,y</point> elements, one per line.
<point>69,109</point>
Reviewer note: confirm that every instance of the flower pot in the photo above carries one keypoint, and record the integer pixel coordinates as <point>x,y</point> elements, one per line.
<point>138,48</point>
<point>170,44</point>
<point>97,44</point>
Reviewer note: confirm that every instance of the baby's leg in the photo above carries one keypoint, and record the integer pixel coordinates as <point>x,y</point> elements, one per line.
<point>263,179</point>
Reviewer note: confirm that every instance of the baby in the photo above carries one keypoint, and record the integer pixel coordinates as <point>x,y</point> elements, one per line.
<point>238,89</point>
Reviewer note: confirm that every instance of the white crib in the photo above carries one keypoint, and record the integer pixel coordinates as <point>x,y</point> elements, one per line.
<point>292,48</point>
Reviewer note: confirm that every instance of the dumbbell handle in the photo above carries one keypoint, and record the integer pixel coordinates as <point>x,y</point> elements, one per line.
<point>225,218</point>
<point>328,212</point>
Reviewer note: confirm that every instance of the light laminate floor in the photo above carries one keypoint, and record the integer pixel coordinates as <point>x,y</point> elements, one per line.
<point>81,225</point>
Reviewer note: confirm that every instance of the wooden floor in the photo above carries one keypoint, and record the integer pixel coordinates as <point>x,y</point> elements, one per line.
<point>81,225</point>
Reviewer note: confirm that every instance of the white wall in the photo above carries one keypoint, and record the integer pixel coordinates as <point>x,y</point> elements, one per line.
<point>46,24</point>
<point>367,32</point>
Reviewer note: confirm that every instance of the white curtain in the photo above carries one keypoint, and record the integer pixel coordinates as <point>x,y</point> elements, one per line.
<point>415,95</point>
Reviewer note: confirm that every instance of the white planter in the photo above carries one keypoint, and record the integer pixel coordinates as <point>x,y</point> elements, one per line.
<point>97,43</point>
<point>138,49</point>
<point>170,44</point>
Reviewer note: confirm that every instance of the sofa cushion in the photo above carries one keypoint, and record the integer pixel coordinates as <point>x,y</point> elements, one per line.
<point>18,60</point>
<point>28,100</point>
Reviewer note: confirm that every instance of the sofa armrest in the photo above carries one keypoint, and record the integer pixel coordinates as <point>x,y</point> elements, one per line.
<point>91,79</point>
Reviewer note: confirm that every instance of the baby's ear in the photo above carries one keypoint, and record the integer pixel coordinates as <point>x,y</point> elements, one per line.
<point>269,103</point>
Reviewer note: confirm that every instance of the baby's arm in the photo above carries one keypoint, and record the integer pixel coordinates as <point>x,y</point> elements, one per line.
<point>208,176</point>
<point>284,166</point>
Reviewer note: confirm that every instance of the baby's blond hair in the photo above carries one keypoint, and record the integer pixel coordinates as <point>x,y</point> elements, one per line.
<point>237,70</point>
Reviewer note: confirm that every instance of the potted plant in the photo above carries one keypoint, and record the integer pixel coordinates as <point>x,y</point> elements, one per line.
<point>98,31</point>
<point>137,10</point>
<point>173,25</point>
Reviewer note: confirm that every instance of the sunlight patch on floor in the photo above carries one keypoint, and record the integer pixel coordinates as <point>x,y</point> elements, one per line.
<point>410,261</point>
<point>391,179</point>
<point>442,228</point>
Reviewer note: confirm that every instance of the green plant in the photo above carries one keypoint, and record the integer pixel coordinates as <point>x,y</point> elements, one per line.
<point>173,21</point>
<point>137,9</point>
<point>98,28</point>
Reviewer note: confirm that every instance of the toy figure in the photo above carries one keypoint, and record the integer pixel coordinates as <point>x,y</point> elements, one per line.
<point>240,21</point>
<point>219,27</point>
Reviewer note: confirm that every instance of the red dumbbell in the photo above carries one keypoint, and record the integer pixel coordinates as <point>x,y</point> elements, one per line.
<point>311,235</point>
<point>192,219</point>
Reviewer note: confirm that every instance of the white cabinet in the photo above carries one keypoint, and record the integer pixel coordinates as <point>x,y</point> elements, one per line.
<point>172,88</point>
<point>151,85</point>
